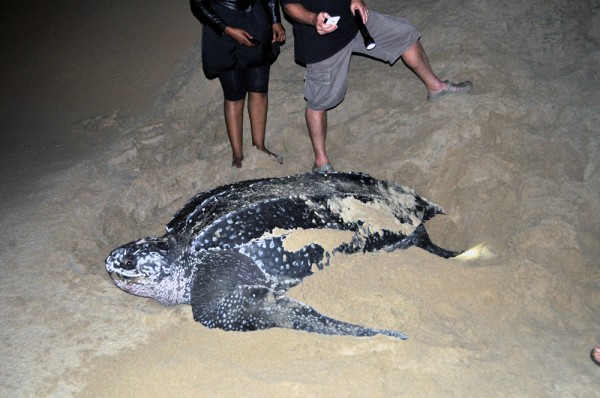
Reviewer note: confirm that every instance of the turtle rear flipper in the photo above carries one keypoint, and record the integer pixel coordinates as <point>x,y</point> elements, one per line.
<point>424,242</point>
<point>420,238</point>
<point>231,293</point>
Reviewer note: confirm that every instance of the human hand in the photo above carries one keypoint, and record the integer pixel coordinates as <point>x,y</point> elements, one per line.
<point>240,35</point>
<point>278,33</point>
<point>322,27</point>
<point>361,7</point>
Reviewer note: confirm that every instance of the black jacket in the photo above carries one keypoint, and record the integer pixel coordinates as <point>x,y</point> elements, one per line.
<point>204,12</point>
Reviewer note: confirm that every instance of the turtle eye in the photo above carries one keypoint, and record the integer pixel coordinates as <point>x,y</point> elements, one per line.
<point>128,263</point>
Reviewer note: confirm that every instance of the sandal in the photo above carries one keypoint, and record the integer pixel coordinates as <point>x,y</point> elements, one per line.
<point>450,89</point>
<point>326,168</point>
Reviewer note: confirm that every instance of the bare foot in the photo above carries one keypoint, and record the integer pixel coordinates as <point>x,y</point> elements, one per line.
<point>595,355</point>
<point>277,158</point>
<point>237,163</point>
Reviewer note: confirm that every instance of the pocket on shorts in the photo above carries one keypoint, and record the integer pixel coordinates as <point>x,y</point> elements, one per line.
<point>318,77</point>
<point>317,89</point>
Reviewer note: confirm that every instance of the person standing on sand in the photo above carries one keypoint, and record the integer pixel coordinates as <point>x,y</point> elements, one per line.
<point>240,41</point>
<point>325,48</point>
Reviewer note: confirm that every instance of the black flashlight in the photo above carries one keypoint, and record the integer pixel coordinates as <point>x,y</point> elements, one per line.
<point>369,41</point>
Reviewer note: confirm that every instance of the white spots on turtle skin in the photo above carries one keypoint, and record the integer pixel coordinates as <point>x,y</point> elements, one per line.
<point>285,227</point>
<point>244,309</point>
<point>278,264</point>
<point>143,268</point>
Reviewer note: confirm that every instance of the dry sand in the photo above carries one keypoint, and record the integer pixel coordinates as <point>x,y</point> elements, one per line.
<point>109,127</point>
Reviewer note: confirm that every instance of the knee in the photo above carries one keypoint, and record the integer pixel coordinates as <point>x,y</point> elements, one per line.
<point>258,85</point>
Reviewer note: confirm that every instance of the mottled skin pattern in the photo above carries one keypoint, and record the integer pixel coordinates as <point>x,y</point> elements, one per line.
<point>225,253</point>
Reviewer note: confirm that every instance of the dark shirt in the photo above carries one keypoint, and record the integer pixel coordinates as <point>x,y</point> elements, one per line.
<point>309,46</point>
<point>205,13</point>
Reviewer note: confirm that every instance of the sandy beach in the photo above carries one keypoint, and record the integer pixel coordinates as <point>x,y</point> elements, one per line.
<point>109,126</point>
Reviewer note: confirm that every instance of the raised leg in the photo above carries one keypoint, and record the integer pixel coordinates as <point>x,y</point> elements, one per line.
<point>416,59</point>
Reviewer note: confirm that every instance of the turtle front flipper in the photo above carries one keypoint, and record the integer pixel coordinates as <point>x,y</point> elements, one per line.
<point>230,292</point>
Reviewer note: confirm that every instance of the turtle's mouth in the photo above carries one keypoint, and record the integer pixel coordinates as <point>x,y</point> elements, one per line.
<point>123,280</point>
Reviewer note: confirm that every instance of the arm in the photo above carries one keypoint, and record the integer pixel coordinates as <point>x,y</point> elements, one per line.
<point>203,11</point>
<point>301,14</point>
<point>272,7</point>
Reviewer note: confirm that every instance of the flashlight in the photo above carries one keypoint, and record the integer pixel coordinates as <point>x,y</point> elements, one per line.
<point>369,41</point>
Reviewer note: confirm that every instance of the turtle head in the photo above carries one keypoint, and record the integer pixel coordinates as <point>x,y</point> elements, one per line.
<point>144,268</point>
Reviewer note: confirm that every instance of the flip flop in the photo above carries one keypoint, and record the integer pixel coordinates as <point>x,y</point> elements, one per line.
<point>592,355</point>
<point>326,168</point>
<point>450,89</point>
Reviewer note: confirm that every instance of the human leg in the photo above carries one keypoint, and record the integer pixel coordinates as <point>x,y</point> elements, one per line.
<point>235,126</point>
<point>325,86</point>
<point>257,110</point>
<point>316,121</point>
<point>233,84</point>
<point>258,105</point>
<point>395,38</point>
<point>416,59</point>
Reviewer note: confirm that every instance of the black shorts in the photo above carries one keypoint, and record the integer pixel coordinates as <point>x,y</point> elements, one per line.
<point>237,82</point>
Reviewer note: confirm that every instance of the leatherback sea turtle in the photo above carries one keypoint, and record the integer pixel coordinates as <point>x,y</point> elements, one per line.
<point>232,252</point>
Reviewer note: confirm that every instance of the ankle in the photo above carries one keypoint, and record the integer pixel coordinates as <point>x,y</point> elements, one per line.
<point>437,86</point>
